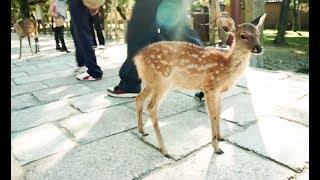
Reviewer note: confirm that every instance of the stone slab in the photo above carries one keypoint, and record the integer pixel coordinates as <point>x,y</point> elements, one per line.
<point>283,141</point>
<point>296,81</point>
<point>17,170</point>
<point>67,72</point>
<point>34,78</point>
<point>234,91</point>
<point>185,132</point>
<point>304,175</point>
<point>23,101</point>
<point>277,94</point>
<point>173,103</point>
<point>27,88</point>
<point>233,164</point>
<point>257,77</point>
<point>39,142</point>
<point>62,92</point>
<point>239,109</point>
<point>102,123</point>
<point>24,68</point>
<point>111,72</point>
<point>49,67</point>
<point>98,100</point>
<point>297,111</point>
<point>35,116</point>
<point>18,75</point>
<point>103,84</point>
<point>61,81</point>
<point>118,157</point>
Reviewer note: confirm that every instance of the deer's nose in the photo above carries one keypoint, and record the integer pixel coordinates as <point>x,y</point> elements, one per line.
<point>257,49</point>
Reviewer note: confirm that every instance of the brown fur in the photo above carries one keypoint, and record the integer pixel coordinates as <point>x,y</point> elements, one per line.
<point>165,65</point>
<point>25,28</point>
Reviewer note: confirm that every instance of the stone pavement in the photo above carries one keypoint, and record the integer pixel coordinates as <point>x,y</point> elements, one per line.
<point>62,128</point>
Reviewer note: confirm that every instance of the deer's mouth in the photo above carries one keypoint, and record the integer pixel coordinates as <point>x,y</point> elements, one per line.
<point>256,50</point>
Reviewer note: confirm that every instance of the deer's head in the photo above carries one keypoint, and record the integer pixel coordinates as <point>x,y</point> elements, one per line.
<point>248,34</point>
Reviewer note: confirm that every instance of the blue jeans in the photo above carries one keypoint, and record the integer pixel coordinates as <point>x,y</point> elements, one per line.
<point>80,31</point>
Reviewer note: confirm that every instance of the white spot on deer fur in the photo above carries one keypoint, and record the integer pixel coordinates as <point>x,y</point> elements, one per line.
<point>159,56</point>
<point>209,66</point>
<point>182,52</point>
<point>212,77</point>
<point>164,62</point>
<point>192,66</point>
<point>215,64</point>
<point>217,72</point>
<point>158,67</point>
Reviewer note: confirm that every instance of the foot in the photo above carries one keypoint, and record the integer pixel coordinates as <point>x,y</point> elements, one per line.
<point>64,50</point>
<point>86,77</point>
<point>80,70</point>
<point>101,47</point>
<point>199,95</point>
<point>118,92</point>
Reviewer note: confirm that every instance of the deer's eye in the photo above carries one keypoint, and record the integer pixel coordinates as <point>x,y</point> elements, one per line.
<point>242,36</point>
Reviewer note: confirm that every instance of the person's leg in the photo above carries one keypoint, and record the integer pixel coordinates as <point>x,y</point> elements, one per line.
<point>63,44</point>
<point>81,30</point>
<point>92,30</point>
<point>56,38</point>
<point>79,56</point>
<point>98,28</point>
<point>141,32</point>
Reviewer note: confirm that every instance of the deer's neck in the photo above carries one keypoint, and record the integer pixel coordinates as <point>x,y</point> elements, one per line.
<point>239,55</point>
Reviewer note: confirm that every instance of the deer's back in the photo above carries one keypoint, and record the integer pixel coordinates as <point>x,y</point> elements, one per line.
<point>185,65</point>
<point>25,27</point>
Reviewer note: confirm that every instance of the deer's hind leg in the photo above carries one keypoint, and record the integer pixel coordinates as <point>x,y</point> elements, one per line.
<point>212,100</point>
<point>30,44</point>
<point>20,40</point>
<point>140,99</point>
<point>158,92</point>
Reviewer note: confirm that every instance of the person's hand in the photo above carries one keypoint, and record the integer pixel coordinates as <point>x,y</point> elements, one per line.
<point>94,11</point>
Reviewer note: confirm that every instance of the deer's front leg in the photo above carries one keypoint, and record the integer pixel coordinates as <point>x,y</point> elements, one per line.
<point>212,100</point>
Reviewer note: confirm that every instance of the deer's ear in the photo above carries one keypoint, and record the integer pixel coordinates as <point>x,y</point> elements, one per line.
<point>258,22</point>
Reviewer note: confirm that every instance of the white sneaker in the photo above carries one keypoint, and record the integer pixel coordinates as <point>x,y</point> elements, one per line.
<point>101,47</point>
<point>86,77</point>
<point>80,70</point>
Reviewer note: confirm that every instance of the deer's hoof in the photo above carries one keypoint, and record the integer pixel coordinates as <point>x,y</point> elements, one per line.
<point>219,151</point>
<point>167,155</point>
<point>143,133</point>
<point>221,138</point>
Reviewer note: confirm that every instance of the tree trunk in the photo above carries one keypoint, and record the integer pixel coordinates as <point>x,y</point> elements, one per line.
<point>24,7</point>
<point>283,23</point>
<point>299,16</point>
<point>295,16</point>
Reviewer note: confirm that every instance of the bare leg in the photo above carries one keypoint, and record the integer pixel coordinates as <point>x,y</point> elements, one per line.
<point>139,107</point>
<point>212,101</point>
